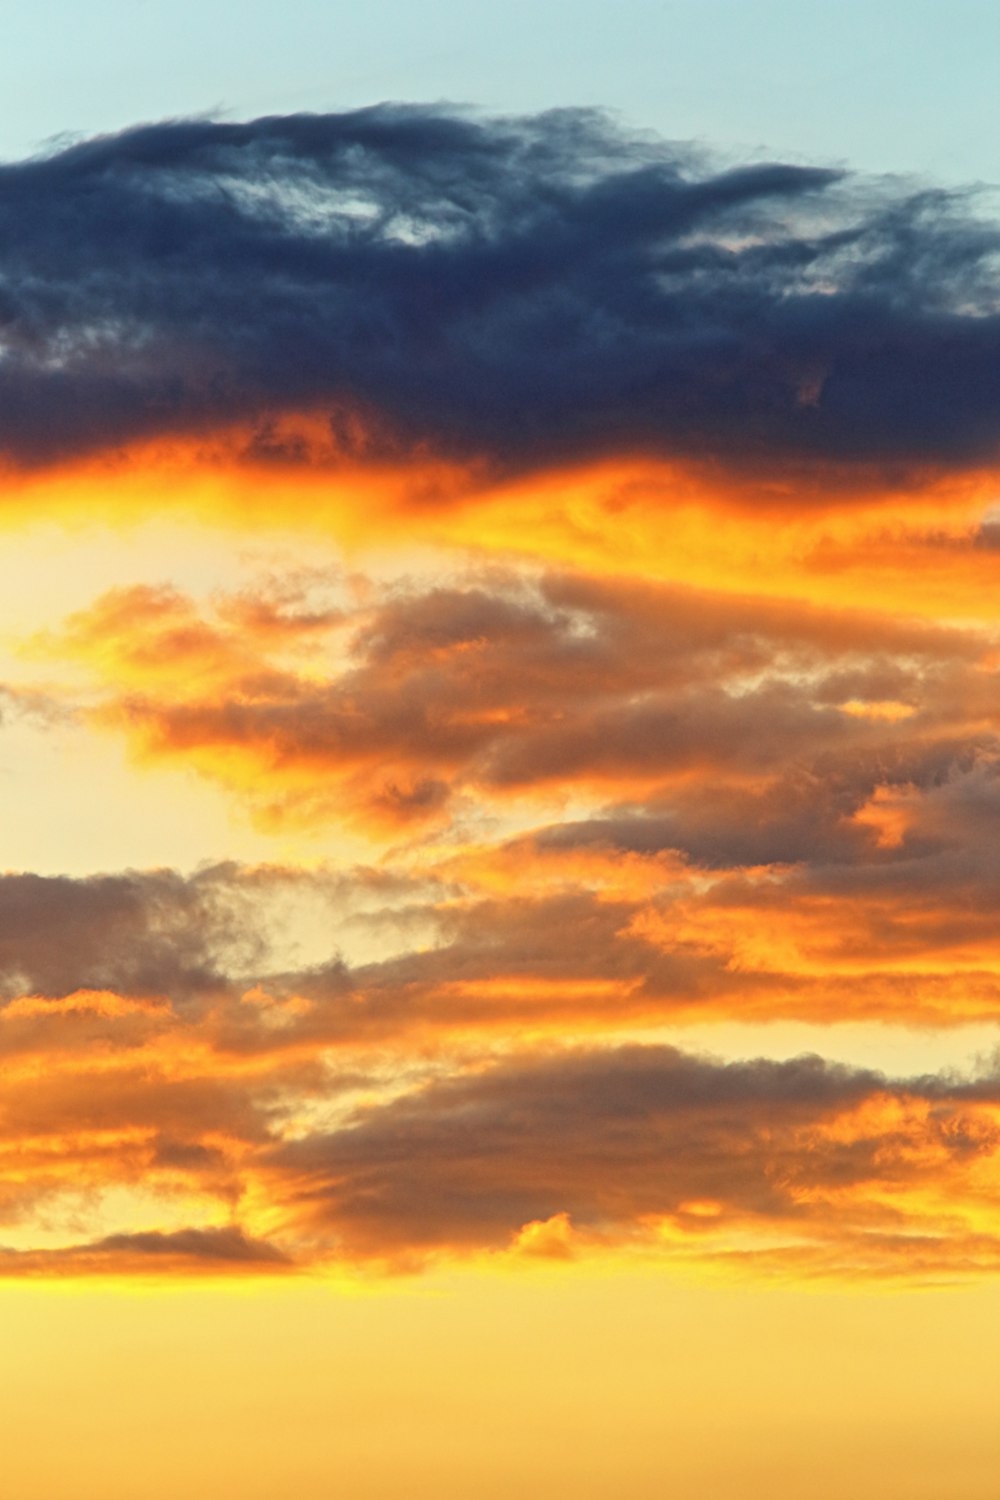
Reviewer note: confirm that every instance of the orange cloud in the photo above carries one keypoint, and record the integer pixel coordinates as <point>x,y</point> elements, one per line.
<point>514,687</point>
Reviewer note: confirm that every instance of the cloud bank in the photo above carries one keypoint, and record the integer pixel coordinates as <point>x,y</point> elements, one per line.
<point>515,292</point>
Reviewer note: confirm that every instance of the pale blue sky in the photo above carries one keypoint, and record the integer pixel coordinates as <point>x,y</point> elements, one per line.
<point>896,85</point>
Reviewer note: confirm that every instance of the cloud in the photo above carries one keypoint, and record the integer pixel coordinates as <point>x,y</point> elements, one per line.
<point>225,1251</point>
<point>518,292</point>
<point>649,1142</point>
<point>561,1153</point>
<point>140,933</point>
<point>660,773</point>
<point>228,1244</point>
<point>763,795</point>
<point>519,686</point>
<point>408,1108</point>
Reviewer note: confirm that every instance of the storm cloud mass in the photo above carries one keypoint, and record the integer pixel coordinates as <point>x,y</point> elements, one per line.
<point>516,292</point>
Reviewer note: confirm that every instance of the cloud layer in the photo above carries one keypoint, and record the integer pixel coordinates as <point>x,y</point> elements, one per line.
<point>619,655</point>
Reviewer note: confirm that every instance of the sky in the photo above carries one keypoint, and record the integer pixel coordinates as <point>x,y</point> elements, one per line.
<point>499,767</point>
<point>883,86</point>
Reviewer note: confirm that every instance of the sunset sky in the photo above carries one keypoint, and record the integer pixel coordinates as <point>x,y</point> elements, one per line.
<point>499,752</point>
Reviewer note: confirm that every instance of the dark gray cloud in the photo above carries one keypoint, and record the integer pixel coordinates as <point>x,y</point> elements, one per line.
<point>806,812</point>
<point>152,932</point>
<point>614,1138</point>
<point>229,1244</point>
<point>524,289</point>
<point>836,1166</point>
<point>223,1251</point>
